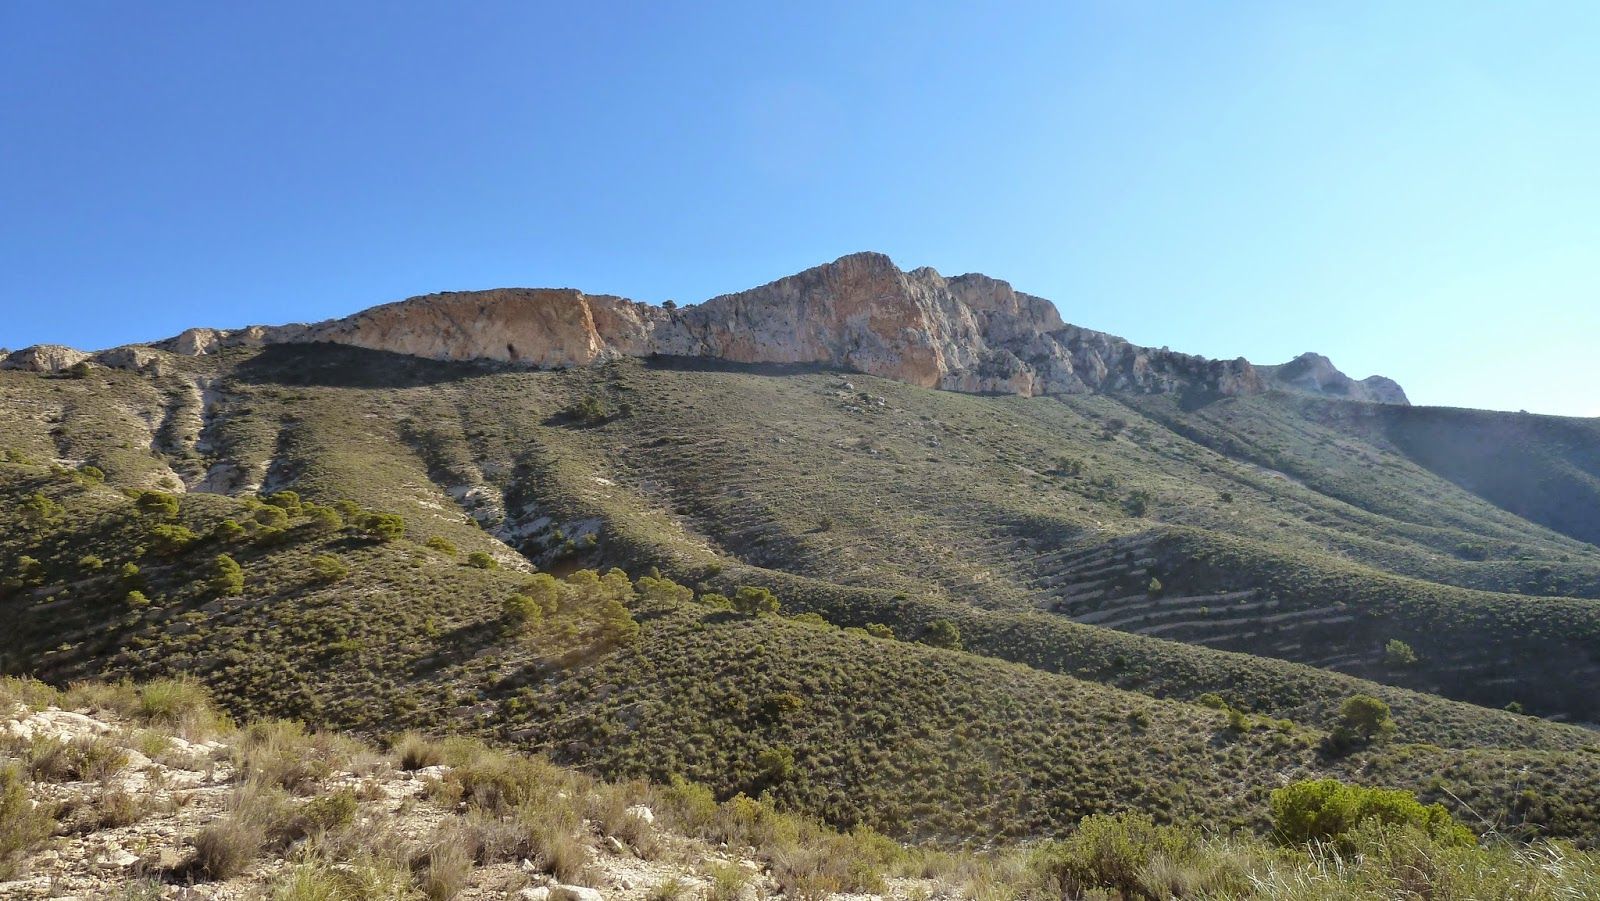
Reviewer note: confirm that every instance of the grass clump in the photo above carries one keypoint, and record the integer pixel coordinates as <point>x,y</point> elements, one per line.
<point>23,826</point>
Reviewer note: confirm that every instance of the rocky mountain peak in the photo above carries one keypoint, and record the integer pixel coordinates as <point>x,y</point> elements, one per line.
<point>969,333</point>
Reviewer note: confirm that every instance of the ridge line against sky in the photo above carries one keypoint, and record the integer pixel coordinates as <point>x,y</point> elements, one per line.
<point>1407,189</point>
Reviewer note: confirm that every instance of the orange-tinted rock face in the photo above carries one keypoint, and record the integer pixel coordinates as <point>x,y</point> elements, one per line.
<point>968,333</point>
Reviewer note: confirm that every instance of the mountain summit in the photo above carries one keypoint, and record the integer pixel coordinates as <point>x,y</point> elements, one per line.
<point>968,333</point>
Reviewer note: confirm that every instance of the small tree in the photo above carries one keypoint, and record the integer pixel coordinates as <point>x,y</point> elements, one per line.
<point>323,519</point>
<point>776,764</point>
<point>385,527</point>
<point>157,504</point>
<point>1155,587</point>
<point>522,610</point>
<point>40,509</point>
<point>228,531</point>
<point>137,600</point>
<point>78,370</point>
<point>328,568</point>
<point>1366,716</point>
<point>1397,653</point>
<point>287,501</point>
<point>755,601</point>
<point>1327,810</point>
<point>942,633</point>
<point>227,576</point>
<point>170,540</point>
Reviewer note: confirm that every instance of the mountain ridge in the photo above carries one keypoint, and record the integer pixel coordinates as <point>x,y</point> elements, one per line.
<point>968,333</point>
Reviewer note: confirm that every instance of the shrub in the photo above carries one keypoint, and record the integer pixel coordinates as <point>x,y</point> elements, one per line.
<point>324,519</point>
<point>384,527</point>
<point>590,410</point>
<point>442,545</point>
<point>754,601</point>
<point>22,825</point>
<point>40,509</point>
<point>1155,587</point>
<point>1398,653</point>
<point>1327,810</point>
<point>137,600</point>
<point>271,517</point>
<point>448,864</point>
<point>942,633</point>
<point>1366,716</point>
<point>287,501</point>
<point>482,560</point>
<point>727,881</point>
<point>78,370</point>
<point>776,764</point>
<point>328,568</point>
<point>171,540</point>
<point>879,630</point>
<point>181,703</point>
<point>91,475</point>
<point>156,504</point>
<point>91,563</point>
<point>1129,856</point>
<point>227,576</point>
<point>415,752</point>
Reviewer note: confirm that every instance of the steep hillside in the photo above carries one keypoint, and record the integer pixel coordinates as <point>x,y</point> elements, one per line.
<point>1037,527</point>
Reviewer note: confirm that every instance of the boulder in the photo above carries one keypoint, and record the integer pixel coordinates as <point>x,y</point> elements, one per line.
<point>574,893</point>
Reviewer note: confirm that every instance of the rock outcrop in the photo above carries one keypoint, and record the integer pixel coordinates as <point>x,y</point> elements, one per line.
<point>1312,373</point>
<point>44,358</point>
<point>967,333</point>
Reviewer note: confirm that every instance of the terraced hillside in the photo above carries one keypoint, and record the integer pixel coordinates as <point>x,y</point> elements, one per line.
<point>1121,576</point>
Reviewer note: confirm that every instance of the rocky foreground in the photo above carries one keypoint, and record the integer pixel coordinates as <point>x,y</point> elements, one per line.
<point>172,803</point>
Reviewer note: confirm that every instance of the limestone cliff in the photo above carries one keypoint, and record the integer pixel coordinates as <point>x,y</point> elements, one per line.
<point>966,333</point>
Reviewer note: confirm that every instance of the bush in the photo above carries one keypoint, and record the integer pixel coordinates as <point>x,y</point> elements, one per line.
<point>879,630</point>
<point>754,601</point>
<point>227,576</point>
<point>384,527</point>
<point>1366,716</point>
<point>156,504</point>
<point>415,752</point>
<point>136,599</point>
<point>324,519</point>
<point>482,560</point>
<point>287,501</point>
<point>1398,653</point>
<point>776,764</point>
<point>328,568</point>
<point>442,545</point>
<point>228,531</point>
<point>170,540</point>
<point>40,509</point>
<point>1327,810</point>
<point>182,703</point>
<point>1127,853</point>
<point>591,410</point>
<point>22,825</point>
<point>942,633</point>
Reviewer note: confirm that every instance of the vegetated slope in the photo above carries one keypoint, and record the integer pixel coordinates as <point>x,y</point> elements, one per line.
<point>412,636</point>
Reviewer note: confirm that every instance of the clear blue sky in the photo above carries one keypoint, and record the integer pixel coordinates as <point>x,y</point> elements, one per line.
<point>1411,188</point>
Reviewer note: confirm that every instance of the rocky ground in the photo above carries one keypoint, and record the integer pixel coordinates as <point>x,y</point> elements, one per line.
<point>130,802</point>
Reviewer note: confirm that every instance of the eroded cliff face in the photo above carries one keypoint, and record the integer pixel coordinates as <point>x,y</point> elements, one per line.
<point>967,333</point>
